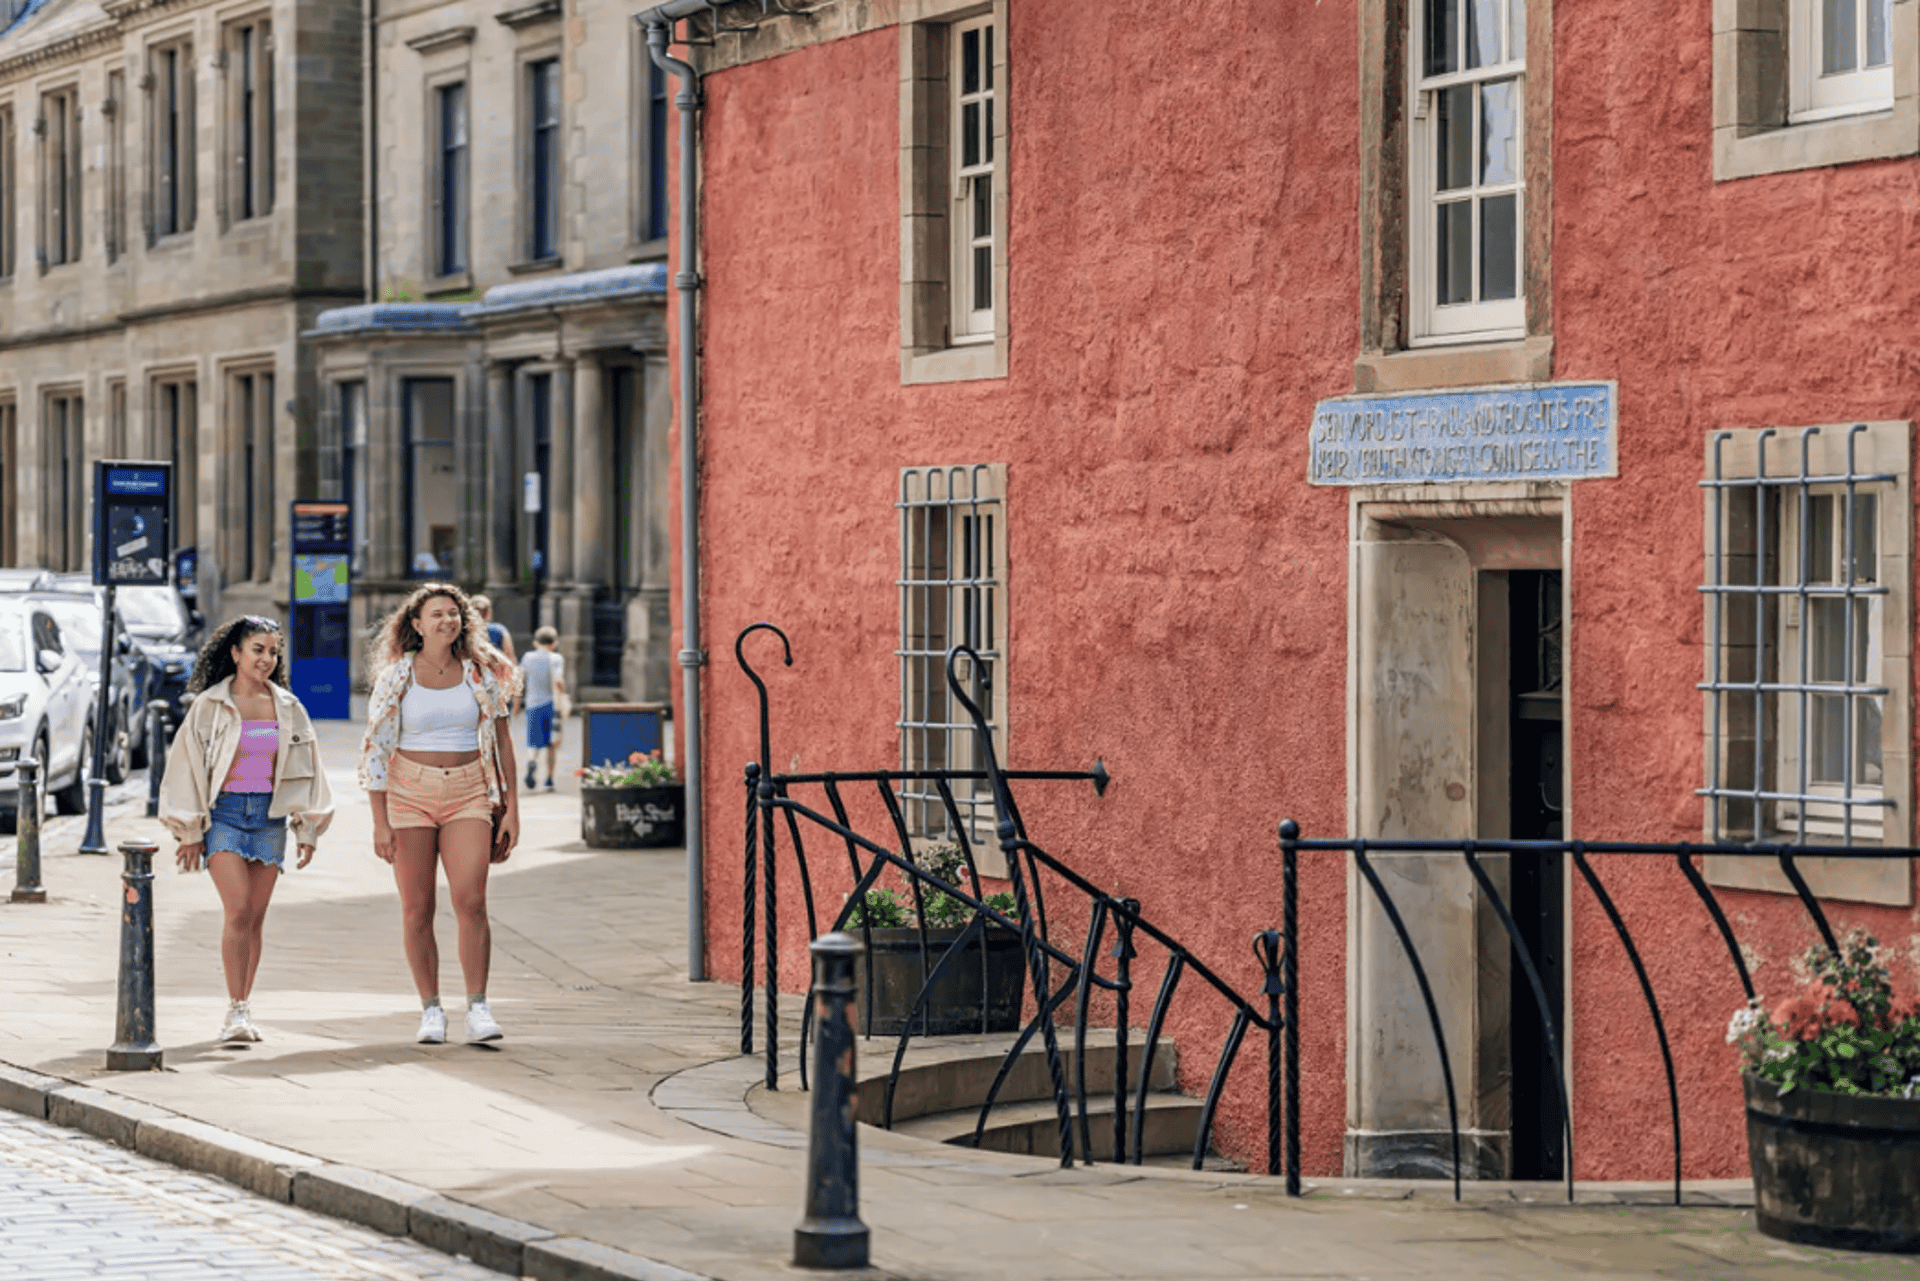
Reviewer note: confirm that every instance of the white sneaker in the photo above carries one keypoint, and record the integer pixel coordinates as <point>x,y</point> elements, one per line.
<point>238,1025</point>
<point>480,1024</point>
<point>433,1025</point>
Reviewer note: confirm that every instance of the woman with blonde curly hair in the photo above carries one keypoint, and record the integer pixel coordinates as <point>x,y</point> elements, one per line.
<point>437,763</point>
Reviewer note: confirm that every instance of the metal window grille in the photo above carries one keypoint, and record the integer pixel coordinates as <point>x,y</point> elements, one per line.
<point>951,579</point>
<point>1796,608</point>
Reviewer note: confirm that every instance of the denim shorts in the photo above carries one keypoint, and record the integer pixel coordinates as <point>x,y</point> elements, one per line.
<point>539,725</point>
<point>240,824</point>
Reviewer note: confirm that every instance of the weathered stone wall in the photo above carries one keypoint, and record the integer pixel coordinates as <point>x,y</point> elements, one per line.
<point>198,303</point>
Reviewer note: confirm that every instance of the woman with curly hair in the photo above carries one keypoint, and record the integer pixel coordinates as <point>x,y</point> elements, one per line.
<point>437,764</point>
<point>242,769</point>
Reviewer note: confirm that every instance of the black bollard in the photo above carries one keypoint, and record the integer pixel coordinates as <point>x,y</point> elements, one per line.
<point>156,753</point>
<point>135,1050</point>
<point>831,1235</point>
<point>26,854</point>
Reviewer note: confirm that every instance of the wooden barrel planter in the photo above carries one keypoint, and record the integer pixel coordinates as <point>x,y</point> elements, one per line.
<point>1835,1169</point>
<point>633,818</point>
<point>898,972</point>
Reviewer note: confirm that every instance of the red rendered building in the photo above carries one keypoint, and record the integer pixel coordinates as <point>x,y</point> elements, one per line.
<point>1306,406</point>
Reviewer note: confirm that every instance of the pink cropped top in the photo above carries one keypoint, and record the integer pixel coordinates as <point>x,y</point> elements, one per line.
<point>253,761</point>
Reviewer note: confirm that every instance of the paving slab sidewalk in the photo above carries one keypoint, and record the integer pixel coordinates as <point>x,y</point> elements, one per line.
<point>614,1132</point>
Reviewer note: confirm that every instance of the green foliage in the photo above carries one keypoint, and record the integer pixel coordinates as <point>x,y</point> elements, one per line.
<point>886,908</point>
<point>1845,1031</point>
<point>880,909</point>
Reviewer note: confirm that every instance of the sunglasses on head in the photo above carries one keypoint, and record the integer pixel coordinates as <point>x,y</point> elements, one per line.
<point>260,623</point>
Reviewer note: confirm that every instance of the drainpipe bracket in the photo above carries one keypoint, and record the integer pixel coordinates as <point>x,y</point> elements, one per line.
<point>692,657</point>
<point>687,280</point>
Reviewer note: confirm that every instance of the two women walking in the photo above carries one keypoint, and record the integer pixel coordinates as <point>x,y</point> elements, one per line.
<point>437,764</point>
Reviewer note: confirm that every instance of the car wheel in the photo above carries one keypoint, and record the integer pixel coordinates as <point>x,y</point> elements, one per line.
<point>119,749</point>
<point>72,799</point>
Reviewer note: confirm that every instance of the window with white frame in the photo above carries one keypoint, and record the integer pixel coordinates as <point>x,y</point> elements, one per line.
<point>953,191</point>
<point>1806,629</point>
<point>170,162</point>
<point>1467,182</point>
<point>1839,57</point>
<point>59,129</point>
<point>952,592</point>
<point>971,77</point>
<point>1805,84</point>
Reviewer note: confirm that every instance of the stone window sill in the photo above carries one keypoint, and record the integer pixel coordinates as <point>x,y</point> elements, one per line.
<point>537,264</point>
<point>1530,360</point>
<point>953,364</point>
<point>1818,144</point>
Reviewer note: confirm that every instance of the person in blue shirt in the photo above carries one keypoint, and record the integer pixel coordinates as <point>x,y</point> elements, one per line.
<point>546,682</point>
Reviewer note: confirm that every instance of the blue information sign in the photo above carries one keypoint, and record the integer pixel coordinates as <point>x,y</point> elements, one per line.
<point>132,533</point>
<point>1547,431</point>
<point>320,624</point>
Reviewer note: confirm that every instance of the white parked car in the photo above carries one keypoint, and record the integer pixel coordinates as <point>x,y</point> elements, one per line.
<point>46,710</point>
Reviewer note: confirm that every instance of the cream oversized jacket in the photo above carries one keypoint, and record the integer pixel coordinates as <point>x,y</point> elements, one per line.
<point>203,752</point>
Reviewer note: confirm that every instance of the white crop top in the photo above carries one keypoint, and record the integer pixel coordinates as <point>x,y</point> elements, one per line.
<point>439,720</point>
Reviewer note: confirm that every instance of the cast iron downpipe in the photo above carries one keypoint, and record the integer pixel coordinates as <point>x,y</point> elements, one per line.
<point>659,22</point>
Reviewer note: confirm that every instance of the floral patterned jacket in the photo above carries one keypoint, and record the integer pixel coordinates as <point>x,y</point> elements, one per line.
<point>492,698</point>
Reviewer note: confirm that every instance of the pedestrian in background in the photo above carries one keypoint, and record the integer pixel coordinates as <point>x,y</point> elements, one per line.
<point>497,634</point>
<point>437,763</point>
<point>243,767</point>
<point>546,684</point>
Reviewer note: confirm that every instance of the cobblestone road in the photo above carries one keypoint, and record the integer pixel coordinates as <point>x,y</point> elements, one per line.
<point>74,1208</point>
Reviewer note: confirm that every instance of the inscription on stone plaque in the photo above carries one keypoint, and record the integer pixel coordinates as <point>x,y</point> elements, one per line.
<point>1548,431</point>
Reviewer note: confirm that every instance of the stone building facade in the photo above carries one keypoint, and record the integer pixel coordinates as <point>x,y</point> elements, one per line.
<point>500,412</point>
<point>180,198</point>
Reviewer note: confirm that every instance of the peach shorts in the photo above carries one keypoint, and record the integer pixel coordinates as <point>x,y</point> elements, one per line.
<point>430,796</point>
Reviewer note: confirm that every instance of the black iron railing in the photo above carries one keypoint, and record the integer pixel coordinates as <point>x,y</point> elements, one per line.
<point>1579,853</point>
<point>1054,974</point>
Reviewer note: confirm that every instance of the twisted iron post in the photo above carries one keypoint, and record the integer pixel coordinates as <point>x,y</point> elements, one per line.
<point>1266,949</point>
<point>1123,954</point>
<point>763,791</point>
<point>749,894</point>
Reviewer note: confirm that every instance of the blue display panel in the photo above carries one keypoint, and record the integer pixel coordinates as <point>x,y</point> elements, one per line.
<point>320,620</point>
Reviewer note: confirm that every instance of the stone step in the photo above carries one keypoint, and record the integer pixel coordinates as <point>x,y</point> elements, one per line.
<point>954,1073</point>
<point>1032,1127</point>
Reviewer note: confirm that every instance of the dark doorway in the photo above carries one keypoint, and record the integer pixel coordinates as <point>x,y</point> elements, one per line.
<point>1537,884</point>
